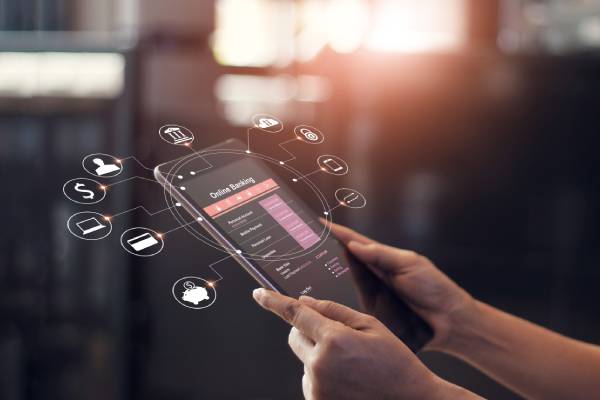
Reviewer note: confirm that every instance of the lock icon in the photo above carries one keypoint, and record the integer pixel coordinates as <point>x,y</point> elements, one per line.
<point>309,135</point>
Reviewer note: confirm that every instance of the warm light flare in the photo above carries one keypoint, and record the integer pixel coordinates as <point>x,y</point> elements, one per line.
<point>418,26</point>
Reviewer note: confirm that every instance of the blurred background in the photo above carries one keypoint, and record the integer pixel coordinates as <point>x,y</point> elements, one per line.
<point>470,126</point>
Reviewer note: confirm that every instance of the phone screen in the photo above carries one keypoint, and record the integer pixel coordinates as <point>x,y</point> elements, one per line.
<point>262,218</point>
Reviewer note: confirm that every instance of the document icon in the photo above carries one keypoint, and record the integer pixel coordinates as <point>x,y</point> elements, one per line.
<point>142,241</point>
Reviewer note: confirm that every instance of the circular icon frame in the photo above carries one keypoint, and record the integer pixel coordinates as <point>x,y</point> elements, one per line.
<point>107,175</point>
<point>93,214</point>
<point>342,197</point>
<point>257,124</point>
<point>303,136</point>
<point>84,202</point>
<point>206,285</point>
<point>177,140</point>
<point>152,232</point>
<point>333,165</point>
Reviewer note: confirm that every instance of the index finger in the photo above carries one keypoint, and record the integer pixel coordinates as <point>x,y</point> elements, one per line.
<point>305,319</point>
<point>345,234</point>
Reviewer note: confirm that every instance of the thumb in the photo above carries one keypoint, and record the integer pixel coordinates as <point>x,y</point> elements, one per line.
<point>336,312</point>
<point>384,259</point>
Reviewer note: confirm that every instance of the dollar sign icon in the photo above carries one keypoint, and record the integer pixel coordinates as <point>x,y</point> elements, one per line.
<point>88,196</point>
<point>189,285</point>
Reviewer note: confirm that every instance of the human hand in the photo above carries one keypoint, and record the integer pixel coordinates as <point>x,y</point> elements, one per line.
<point>424,288</point>
<point>350,355</point>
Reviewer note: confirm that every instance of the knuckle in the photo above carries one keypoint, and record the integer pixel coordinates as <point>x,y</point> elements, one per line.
<point>318,367</point>
<point>371,320</point>
<point>291,311</point>
<point>422,259</point>
<point>328,306</point>
<point>334,340</point>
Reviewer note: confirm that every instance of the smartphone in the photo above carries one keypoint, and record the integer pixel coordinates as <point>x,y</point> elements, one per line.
<point>333,165</point>
<point>251,211</point>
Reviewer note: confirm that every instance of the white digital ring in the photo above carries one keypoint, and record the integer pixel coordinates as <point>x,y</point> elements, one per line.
<point>90,191</point>
<point>309,134</point>
<point>196,302</point>
<point>267,123</point>
<point>350,198</point>
<point>146,238</point>
<point>191,228</point>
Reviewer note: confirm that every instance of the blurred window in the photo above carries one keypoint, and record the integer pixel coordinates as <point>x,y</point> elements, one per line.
<point>260,33</point>
<point>554,26</point>
<point>61,74</point>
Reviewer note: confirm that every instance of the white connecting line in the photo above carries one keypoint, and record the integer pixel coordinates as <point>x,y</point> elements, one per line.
<point>215,271</point>
<point>248,150</point>
<point>203,159</point>
<point>143,208</point>
<point>332,208</point>
<point>128,179</point>
<point>305,175</point>
<point>287,151</point>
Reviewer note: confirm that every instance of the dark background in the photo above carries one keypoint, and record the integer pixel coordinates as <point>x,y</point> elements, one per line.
<point>484,158</point>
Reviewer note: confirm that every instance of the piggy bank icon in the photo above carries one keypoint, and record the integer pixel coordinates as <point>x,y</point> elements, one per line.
<point>194,294</point>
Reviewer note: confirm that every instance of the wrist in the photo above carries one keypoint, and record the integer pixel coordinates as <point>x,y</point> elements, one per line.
<point>463,327</point>
<point>444,390</point>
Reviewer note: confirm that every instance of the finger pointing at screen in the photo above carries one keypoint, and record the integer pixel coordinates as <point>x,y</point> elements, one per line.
<point>339,347</point>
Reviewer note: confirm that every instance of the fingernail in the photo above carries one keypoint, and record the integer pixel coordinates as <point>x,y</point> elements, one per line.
<point>307,298</point>
<point>258,294</point>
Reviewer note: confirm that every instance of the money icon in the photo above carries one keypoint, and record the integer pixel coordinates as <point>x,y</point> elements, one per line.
<point>189,285</point>
<point>88,196</point>
<point>84,191</point>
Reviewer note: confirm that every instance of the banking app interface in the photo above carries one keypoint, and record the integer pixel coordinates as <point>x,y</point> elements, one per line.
<point>265,220</point>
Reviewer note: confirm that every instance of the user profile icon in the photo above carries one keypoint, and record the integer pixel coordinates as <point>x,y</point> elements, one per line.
<point>102,165</point>
<point>333,165</point>
<point>350,198</point>
<point>194,292</point>
<point>267,123</point>
<point>176,134</point>
<point>309,134</point>
<point>88,225</point>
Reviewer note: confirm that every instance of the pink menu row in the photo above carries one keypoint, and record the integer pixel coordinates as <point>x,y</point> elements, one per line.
<point>290,221</point>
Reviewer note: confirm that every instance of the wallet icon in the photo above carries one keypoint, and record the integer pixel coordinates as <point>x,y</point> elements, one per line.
<point>142,241</point>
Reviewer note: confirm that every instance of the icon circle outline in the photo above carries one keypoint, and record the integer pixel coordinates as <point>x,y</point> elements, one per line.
<point>89,213</point>
<point>81,202</point>
<point>256,117</point>
<point>214,291</point>
<point>343,202</point>
<point>160,133</point>
<point>155,235</point>
<point>301,137</point>
<point>321,163</point>
<point>93,173</point>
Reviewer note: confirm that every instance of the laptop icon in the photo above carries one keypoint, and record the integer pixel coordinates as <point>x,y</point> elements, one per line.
<point>89,225</point>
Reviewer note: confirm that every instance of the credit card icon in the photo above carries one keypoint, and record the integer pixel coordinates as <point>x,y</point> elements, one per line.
<point>142,242</point>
